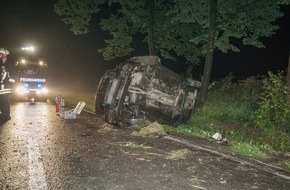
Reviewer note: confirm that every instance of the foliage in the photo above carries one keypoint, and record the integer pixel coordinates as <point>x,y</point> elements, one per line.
<point>118,46</point>
<point>248,149</point>
<point>284,2</point>
<point>251,88</point>
<point>246,20</point>
<point>276,138</point>
<point>129,23</point>
<point>180,27</point>
<point>273,108</point>
<point>273,113</point>
<point>228,101</point>
<point>77,13</point>
<point>287,163</point>
<point>232,107</point>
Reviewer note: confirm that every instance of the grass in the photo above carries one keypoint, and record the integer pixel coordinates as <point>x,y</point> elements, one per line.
<point>248,149</point>
<point>71,98</point>
<point>89,98</point>
<point>287,163</point>
<point>230,110</point>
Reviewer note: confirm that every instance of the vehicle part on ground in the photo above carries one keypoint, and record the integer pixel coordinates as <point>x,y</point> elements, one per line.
<point>72,113</point>
<point>142,89</point>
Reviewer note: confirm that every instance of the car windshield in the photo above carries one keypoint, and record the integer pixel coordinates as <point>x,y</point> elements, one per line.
<point>31,69</point>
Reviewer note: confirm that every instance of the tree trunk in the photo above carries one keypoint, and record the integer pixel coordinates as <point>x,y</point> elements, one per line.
<point>151,12</point>
<point>209,55</point>
<point>288,79</point>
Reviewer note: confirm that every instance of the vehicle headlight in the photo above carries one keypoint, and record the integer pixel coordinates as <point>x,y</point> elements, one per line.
<point>41,91</point>
<point>44,90</point>
<point>21,90</point>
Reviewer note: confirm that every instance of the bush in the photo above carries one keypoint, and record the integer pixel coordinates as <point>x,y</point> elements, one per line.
<point>250,90</point>
<point>256,108</point>
<point>273,114</point>
<point>232,102</point>
<point>273,106</point>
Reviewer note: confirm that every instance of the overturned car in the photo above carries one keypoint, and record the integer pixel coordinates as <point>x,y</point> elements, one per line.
<point>142,89</point>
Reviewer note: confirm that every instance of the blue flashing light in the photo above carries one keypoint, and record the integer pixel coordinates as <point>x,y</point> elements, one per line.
<point>26,85</point>
<point>39,85</point>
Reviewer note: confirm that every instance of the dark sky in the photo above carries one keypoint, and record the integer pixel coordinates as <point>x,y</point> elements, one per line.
<point>34,22</point>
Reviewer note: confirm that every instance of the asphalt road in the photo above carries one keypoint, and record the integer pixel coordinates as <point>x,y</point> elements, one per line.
<point>41,151</point>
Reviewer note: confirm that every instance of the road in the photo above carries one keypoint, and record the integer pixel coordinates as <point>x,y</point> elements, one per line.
<point>41,151</point>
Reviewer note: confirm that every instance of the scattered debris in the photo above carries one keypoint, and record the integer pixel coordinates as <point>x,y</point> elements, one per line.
<point>198,187</point>
<point>179,154</point>
<point>134,145</point>
<point>107,128</point>
<point>217,136</point>
<point>72,114</point>
<point>153,129</point>
<point>220,138</point>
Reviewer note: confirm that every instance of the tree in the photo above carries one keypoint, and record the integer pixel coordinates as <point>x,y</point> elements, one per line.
<point>132,21</point>
<point>176,28</point>
<point>210,48</point>
<point>77,13</point>
<point>236,21</point>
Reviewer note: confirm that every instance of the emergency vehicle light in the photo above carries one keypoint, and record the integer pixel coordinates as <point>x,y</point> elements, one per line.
<point>28,48</point>
<point>21,90</point>
<point>44,90</point>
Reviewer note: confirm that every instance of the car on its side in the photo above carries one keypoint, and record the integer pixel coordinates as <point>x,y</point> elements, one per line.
<point>142,89</point>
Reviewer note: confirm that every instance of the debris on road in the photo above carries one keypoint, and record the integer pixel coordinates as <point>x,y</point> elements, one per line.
<point>153,129</point>
<point>72,114</point>
<point>217,136</point>
<point>179,154</point>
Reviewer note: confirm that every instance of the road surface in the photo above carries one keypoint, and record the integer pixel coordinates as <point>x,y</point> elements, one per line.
<point>41,151</point>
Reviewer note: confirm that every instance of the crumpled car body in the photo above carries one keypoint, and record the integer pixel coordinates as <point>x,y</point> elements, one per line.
<point>142,89</point>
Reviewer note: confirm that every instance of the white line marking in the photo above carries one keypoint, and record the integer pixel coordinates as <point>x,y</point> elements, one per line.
<point>37,179</point>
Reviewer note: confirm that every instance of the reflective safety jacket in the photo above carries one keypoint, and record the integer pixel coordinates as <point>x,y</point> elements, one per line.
<point>5,90</point>
<point>4,80</point>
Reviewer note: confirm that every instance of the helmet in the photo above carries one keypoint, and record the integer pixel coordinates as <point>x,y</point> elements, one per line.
<point>4,51</point>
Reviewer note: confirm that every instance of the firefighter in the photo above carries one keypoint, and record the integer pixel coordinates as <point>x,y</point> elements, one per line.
<point>5,90</point>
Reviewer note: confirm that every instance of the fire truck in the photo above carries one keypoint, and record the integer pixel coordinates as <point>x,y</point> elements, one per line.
<point>30,80</point>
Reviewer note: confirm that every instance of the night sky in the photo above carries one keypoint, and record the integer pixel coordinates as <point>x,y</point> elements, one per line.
<point>72,57</point>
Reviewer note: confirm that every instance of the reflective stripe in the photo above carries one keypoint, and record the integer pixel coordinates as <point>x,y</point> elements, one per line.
<point>5,91</point>
<point>4,76</point>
